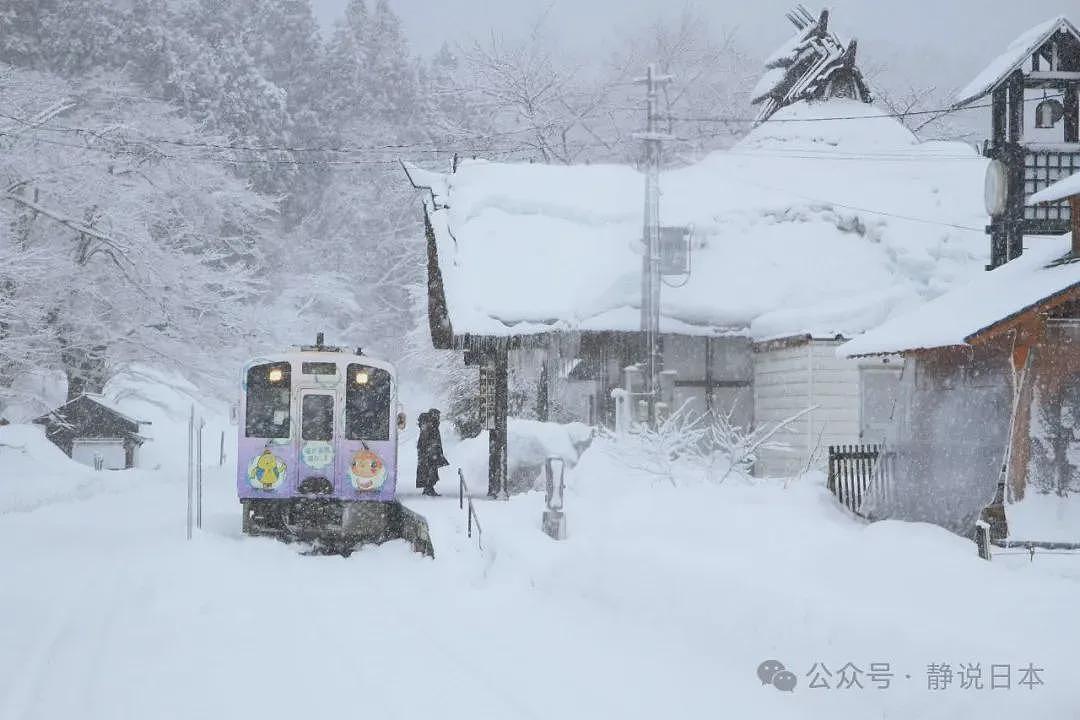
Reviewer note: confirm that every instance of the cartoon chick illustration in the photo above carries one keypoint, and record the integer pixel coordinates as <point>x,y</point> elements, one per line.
<point>266,471</point>
<point>367,471</point>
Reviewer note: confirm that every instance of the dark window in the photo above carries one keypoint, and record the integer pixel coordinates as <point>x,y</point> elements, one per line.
<point>268,391</point>
<point>317,417</point>
<point>367,403</point>
<point>318,368</point>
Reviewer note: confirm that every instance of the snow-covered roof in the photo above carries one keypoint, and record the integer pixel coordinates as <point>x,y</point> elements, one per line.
<point>1058,191</point>
<point>768,83</point>
<point>1014,56</point>
<point>808,66</point>
<point>808,225</point>
<point>103,402</point>
<point>953,319</point>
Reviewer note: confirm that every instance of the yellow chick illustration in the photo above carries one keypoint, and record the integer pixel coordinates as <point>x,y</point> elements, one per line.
<point>266,471</point>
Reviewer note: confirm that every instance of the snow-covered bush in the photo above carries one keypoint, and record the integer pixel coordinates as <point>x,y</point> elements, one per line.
<point>687,444</point>
<point>735,448</point>
<point>674,447</point>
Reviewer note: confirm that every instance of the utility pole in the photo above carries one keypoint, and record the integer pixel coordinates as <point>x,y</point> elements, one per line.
<point>650,265</point>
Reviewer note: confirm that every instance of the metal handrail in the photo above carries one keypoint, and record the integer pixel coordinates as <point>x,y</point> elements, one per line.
<point>470,515</point>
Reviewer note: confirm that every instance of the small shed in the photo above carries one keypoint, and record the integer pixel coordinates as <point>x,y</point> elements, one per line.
<point>91,431</point>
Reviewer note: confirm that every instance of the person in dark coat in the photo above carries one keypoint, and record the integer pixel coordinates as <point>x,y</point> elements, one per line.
<point>429,452</point>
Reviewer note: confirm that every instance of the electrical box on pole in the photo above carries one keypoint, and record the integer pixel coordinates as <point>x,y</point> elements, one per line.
<point>674,251</point>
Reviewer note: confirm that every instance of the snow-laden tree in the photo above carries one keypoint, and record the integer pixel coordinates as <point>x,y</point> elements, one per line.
<point>66,36</point>
<point>345,64</point>
<point>194,56</point>
<point>282,38</point>
<point>540,105</point>
<point>120,249</point>
<point>536,100</point>
<point>711,78</point>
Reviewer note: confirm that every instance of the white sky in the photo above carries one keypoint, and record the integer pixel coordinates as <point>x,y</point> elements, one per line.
<point>915,39</point>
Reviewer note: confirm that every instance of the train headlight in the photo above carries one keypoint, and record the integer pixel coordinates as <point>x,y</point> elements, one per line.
<point>362,378</point>
<point>275,375</point>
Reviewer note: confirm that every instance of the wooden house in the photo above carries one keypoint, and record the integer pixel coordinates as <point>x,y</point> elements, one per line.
<point>992,403</point>
<point>536,269</point>
<point>1034,91</point>
<point>992,369</point>
<point>93,432</point>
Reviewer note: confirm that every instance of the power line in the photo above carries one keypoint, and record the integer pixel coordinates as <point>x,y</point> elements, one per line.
<point>121,147</point>
<point>893,115</point>
<point>417,146</point>
<point>144,150</point>
<point>427,147</point>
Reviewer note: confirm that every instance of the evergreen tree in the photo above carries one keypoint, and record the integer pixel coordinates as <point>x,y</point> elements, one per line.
<point>23,30</point>
<point>70,37</point>
<point>346,64</point>
<point>391,76</point>
<point>284,44</point>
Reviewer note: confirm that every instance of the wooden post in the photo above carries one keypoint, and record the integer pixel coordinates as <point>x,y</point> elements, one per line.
<point>1072,115</point>
<point>1014,212</point>
<point>499,367</point>
<point>1016,107</point>
<point>998,115</point>
<point>1074,205</point>
<point>982,539</point>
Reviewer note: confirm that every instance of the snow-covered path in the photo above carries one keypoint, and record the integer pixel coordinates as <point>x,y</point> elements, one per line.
<point>661,604</point>
<point>111,614</point>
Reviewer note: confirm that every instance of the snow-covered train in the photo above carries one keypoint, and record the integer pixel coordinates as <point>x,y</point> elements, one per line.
<point>317,450</point>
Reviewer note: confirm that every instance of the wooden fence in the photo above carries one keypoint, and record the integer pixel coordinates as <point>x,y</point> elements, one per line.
<point>857,472</point>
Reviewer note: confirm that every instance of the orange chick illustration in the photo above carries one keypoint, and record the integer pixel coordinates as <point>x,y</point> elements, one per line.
<point>367,471</point>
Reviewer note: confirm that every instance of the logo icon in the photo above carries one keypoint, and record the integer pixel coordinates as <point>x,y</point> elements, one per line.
<point>773,672</point>
<point>317,454</point>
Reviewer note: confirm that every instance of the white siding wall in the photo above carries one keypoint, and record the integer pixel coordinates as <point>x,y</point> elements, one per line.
<point>791,379</point>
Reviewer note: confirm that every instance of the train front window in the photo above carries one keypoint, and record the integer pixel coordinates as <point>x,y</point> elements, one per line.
<point>367,403</point>
<point>317,417</point>
<point>269,388</point>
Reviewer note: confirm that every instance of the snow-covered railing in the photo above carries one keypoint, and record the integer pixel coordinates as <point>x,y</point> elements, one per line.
<point>465,503</point>
<point>1027,547</point>
<point>857,472</point>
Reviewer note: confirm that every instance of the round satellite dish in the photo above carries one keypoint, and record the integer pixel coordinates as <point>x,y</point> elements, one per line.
<point>996,188</point>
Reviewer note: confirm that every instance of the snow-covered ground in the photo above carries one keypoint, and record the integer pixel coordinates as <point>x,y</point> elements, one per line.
<point>662,602</point>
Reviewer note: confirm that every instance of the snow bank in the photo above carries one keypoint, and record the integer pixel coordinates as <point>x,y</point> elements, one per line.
<point>1044,516</point>
<point>34,472</point>
<point>529,444</point>
<point>166,399</point>
<point>807,225</point>
<point>662,602</point>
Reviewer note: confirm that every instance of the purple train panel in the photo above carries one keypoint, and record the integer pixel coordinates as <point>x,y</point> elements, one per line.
<point>318,424</point>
